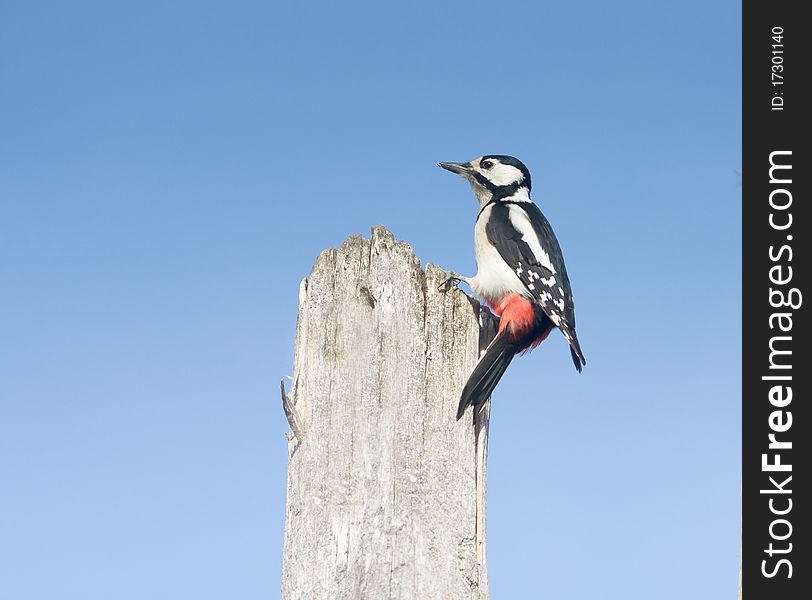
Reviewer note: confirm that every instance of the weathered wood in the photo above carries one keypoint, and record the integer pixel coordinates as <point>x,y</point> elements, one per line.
<point>386,489</point>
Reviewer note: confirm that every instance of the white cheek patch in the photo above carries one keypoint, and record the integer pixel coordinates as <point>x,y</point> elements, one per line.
<point>500,174</point>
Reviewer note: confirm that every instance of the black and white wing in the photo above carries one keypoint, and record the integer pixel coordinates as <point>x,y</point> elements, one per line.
<point>526,242</point>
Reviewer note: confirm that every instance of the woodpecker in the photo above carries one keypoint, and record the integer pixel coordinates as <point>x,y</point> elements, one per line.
<point>520,271</point>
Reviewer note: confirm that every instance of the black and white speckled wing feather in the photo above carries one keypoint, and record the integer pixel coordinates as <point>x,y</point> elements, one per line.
<point>526,242</point>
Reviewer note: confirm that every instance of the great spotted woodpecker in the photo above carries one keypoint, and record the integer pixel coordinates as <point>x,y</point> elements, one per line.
<point>520,271</point>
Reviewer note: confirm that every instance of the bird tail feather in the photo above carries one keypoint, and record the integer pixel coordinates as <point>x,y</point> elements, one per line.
<point>487,373</point>
<point>575,351</point>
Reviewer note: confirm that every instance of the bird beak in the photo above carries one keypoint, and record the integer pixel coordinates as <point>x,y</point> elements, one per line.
<point>458,168</point>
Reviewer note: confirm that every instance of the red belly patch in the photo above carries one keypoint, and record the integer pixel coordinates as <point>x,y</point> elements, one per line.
<point>517,311</point>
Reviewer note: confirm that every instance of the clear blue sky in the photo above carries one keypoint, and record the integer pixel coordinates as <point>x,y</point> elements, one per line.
<point>170,170</point>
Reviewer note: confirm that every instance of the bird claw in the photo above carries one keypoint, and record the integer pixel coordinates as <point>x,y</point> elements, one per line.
<point>452,282</point>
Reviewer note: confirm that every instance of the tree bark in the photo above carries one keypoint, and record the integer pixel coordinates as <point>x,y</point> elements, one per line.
<point>386,490</point>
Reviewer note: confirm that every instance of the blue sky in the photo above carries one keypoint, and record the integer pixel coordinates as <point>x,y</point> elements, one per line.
<point>168,173</point>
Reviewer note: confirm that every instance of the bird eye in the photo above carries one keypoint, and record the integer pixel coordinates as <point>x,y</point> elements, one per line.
<point>486,164</point>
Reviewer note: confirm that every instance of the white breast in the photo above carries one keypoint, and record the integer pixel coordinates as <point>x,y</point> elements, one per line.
<point>494,278</point>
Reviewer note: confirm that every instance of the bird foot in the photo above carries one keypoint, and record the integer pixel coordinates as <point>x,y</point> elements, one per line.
<point>452,282</point>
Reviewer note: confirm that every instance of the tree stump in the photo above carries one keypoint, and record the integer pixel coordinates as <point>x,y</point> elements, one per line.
<point>386,490</point>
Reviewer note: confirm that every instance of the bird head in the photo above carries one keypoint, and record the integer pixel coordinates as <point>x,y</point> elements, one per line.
<point>494,177</point>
